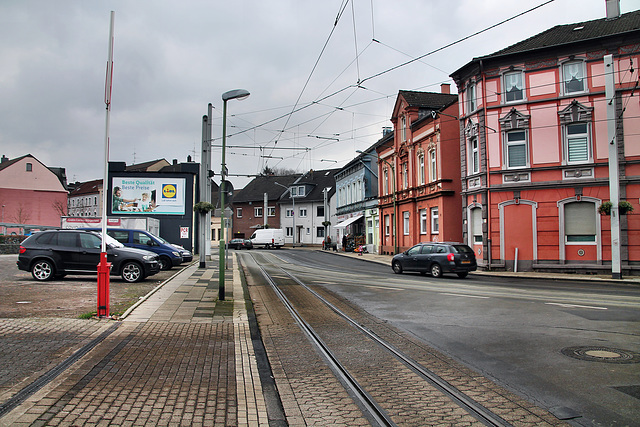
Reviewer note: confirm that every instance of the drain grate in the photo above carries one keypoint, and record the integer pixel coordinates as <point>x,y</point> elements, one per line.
<point>602,354</point>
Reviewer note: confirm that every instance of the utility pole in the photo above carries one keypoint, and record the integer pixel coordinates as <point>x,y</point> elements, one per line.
<point>614,173</point>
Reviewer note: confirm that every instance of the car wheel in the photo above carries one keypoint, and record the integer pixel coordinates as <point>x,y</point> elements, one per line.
<point>42,270</point>
<point>165,263</point>
<point>462,275</point>
<point>436,270</point>
<point>397,267</point>
<point>132,272</point>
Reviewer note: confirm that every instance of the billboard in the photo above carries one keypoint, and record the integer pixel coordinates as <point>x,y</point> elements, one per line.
<point>164,196</point>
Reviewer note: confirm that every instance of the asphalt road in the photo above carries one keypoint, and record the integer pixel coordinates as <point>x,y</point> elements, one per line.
<point>570,347</point>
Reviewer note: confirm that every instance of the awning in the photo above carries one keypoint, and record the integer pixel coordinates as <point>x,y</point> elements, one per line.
<point>346,222</point>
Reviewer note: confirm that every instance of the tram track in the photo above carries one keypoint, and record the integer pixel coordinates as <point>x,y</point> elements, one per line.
<point>388,385</point>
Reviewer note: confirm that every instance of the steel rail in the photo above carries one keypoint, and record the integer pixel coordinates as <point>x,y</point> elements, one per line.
<point>477,410</point>
<point>376,413</point>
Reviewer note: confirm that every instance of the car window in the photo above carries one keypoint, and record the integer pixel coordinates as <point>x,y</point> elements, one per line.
<point>112,242</point>
<point>426,249</point>
<point>68,240</point>
<point>90,241</point>
<point>47,239</point>
<point>120,235</point>
<point>140,238</point>
<point>441,250</point>
<point>463,249</point>
<point>414,250</point>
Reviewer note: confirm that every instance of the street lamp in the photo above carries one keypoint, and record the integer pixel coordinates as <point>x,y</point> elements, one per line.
<point>393,179</point>
<point>232,94</point>
<point>294,210</point>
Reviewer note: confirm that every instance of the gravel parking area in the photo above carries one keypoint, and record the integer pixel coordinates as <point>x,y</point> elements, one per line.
<point>22,296</point>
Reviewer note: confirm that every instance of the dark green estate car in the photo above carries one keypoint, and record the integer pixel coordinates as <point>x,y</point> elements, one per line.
<point>436,258</point>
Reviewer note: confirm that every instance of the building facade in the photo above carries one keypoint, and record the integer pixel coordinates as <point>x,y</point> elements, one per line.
<point>85,199</point>
<point>248,204</point>
<point>307,208</point>
<point>357,201</point>
<point>419,172</point>
<point>31,194</point>
<point>535,147</point>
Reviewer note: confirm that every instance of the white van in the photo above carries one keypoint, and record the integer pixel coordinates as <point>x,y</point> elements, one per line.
<point>268,238</point>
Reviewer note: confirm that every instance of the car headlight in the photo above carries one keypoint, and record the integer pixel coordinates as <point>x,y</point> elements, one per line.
<point>149,257</point>
<point>175,253</point>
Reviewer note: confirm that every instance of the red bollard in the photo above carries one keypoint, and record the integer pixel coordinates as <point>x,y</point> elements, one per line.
<point>104,268</point>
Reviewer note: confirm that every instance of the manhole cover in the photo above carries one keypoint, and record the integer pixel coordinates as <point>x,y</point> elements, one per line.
<point>602,354</point>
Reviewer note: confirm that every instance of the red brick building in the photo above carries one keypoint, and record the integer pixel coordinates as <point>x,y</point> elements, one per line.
<point>419,172</point>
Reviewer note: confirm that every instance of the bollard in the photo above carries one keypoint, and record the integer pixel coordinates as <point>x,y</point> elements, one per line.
<point>104,269</point>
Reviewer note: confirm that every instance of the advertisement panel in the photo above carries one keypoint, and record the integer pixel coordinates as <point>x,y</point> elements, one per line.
<point>131,195</point>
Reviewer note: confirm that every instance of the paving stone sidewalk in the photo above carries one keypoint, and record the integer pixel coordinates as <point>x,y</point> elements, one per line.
<point>181,357</point>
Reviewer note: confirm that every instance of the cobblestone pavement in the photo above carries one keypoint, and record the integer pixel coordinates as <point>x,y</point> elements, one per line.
<point>181,357</point>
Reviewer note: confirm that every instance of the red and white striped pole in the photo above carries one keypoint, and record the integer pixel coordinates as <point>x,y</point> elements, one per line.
<point>104,267</point>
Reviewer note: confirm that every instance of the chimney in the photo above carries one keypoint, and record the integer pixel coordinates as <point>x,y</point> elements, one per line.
<point>4,159</point>
<point>613,9</point>
<point>445,88</point>
<point>386,131</point>
<point>175,162</point>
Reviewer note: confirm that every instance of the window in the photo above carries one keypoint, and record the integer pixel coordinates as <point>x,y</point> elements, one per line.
<point>433,172</point>
<point>403,128</point>
<point>303,212</point>
<point>421,179</point>
<point>294,191</point>
<point>385,181</point>
<point>577,143</point>
<point>580,222</point>
<point>257,212</point>
<point>513,86</point>
<point>90,241</point>
<point>290,213</point>
<point>475,155</point>
<point>141,238</point>
<point>405,217</point>
<point>319,211</point>
<point>476,225</point>
<point>29,167</point>
<point>239,212</point>
<point>271,211</point>
<point>435,221</point>
<point>68,240</point>
<point>423,221</point>
<point>120,235</point>
<point>289,231</point>
<point>516,149</point>
<point>301,191</point>
<point>471,97</point>
<point>405,175</point>
<point>319,231</point>
<point>573,77</point>
<point>387,230</point>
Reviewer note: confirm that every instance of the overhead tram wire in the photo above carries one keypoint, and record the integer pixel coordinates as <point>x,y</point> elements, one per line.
<point>342,8</point>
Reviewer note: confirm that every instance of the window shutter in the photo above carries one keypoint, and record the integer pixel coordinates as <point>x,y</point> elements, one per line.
<point>579,218</point>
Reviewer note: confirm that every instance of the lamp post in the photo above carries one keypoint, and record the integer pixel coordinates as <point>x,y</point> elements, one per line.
<point>294,210</point>
<point>393,180</point>
<point>232,94</point>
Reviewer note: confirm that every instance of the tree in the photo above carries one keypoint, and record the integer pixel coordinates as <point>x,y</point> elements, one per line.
<point>269,171</point>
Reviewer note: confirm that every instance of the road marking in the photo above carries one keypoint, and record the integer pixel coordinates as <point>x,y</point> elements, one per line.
<point>464,295</point>
<point>576,306</point>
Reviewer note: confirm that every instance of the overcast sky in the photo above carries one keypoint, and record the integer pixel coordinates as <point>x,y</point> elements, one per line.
<point>173,58</point>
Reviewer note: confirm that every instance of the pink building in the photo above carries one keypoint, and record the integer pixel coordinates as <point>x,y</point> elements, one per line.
<point>535,148</point>
<point>30,193</point>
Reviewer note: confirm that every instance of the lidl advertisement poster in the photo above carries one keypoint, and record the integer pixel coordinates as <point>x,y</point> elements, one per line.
<point>139,195</point>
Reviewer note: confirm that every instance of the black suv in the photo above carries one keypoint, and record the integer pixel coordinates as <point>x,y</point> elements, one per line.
<point>436,258</point>
<point>56,253</point>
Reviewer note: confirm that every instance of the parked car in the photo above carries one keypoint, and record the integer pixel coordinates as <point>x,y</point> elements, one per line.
<point>187,256</point>
<point>268,238</point>
<point>168,255</point>
<point>436,258</point>
<point>56,253</point>
<point>240,244</point>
